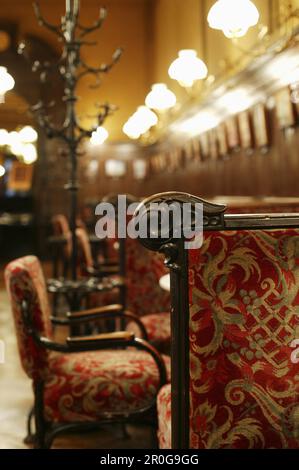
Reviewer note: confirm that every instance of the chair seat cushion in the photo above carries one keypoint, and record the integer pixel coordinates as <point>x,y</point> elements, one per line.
<point>157,326</point>
<point>91,385</point>
<point>164,417</point>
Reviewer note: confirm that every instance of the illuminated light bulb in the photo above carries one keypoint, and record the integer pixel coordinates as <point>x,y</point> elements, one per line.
<point>6,83</point>
<point>28,135</point>
<point>29,153</point>
<point>4,137</point>
<point>160,98</point>
<point>187,68</point>
<point>99,136</point>
<point>234,18</point>
<point>2,171</point>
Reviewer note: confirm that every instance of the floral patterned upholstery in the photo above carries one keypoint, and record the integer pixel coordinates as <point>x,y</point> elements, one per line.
<point>164,417</point>
<point>78,386</point>
<point>84,386</point>
<point>157,326</point>
<point>244,304</point>
<point>143,270</point>
<point>25,281</point>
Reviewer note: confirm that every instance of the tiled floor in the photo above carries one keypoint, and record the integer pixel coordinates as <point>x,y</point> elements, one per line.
<point>16,400</point>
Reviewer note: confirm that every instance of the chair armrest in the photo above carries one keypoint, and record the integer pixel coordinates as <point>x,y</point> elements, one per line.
<point>109,311</point>
<point>102,271</point>
<point>106,340</point>
<point>97,311</point>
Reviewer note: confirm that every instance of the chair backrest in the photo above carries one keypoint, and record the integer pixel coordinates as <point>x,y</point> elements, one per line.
<point>25,282</point>
<point>143,270</point>
<point>85,259</point>
<point>60,225</point>
<point>243,306</point>
<point>234,316</point>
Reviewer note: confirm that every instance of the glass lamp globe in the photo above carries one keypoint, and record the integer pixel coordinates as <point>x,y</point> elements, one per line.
<point>145,119</point>
<point>6,83</point>
<point>99,136</point>
<point>131,129</point>
<point>188,68</point>
<point>160,98</point>
<point>234,18</point>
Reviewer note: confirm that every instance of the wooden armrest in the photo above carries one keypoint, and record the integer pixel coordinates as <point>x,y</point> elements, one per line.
<point>107,339</point>
<point>102,271</point>
<point>115,308</point>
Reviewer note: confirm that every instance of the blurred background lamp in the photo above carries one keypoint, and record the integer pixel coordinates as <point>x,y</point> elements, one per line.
<point>160,98</point>
<point>131,129</point>
<point>29,153</point>
<point>234,18</point>
<point>4,137</point>
<point>6,83</point>
<point>28,134</point>
<point>187,68</point>
<point>99,136</point>
<point>2,171</point>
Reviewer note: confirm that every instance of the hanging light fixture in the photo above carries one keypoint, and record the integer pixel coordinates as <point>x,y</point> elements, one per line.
<point>99,136</point>
<point>160,98</point>
<point>6,83</point>
<point>233,18</point>
<point>187,68</point>
<point>140,122</point>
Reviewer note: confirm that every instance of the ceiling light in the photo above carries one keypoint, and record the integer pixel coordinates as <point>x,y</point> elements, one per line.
<point>233,17</point>
<point>160,98</point>
<point>188,68</point>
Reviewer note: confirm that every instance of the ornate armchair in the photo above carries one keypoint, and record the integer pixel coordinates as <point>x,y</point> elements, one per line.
<point>86,381</point>
<point>234,317</point>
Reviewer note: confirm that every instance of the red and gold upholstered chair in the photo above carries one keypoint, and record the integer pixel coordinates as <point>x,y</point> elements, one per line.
<point>83,382</point>
<point>235,304</point>
<point>142,270</point>
<point>144,294</point>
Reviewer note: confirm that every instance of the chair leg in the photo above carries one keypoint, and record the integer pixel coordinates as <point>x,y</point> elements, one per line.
<point>40,425</point>
<point>30,438</point>
<point>124,432</point>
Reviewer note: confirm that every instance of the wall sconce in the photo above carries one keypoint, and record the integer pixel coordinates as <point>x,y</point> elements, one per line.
<point>141,121</point>
<point>6,83</point>
<point>187,68</point>
<point>233,18</point>
<point>99,136</point>
<point>160,98</point>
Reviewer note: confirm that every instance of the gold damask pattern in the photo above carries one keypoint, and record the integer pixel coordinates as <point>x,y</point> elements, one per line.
<point>244,306</point>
